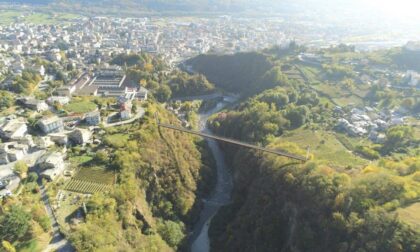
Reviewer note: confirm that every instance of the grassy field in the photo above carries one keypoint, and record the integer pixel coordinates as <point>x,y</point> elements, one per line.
<point>80,107</point>
<point>68,206</point>
<point>348,100</point>
<point>411,215</point>
<point>311,74</point>
<point>325,146</point>
<point>80,160</point>
<point>333,91</point>
<point>7,17</point>
<point>294,74</point>
<point>116,140</point>
<point>10,16</point>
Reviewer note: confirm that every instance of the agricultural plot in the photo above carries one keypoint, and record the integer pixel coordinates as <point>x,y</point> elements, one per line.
<point>325,146</point>
<point>82,186</point>
<point>332,91</point>
<point>311,74</point>
<point>294,74</point>
<point>348,100</point>
<point>91,180</point>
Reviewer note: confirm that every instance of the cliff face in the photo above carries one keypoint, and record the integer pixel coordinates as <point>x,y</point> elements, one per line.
<point>282,205</point>
<point>161,177</point>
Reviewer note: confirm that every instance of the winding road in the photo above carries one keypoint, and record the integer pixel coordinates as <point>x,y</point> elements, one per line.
<point>59,242</point>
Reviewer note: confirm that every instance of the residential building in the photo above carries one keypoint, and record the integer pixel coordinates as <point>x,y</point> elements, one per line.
<point>93,118</point>
<point>81,136</point>
<point>125,114</point>
<point>52,165</point>
<point>34,104</point>
<point>142,93</point>
<point>62,100</point>
<point>59,138</point>
<point>14,128</point>
<point>12,151</point>
<point>65,91</point>
<point>44,142</point>
<point>51,124</point>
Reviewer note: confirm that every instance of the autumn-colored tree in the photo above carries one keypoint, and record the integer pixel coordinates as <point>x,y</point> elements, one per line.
<point>21,168</point>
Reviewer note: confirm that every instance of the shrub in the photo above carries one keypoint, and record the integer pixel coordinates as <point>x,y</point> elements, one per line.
<point>367,152</point>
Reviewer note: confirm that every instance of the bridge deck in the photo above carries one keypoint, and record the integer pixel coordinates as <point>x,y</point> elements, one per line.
<point>228,140</point>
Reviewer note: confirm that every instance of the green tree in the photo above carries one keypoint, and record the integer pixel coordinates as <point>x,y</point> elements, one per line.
<point>163,93</point>
<point>297,116</point>
<point>6,100</point>
<point>397,137</point>
<point>32,177</point>
<point>172,232</point>
<point>102,157</point>
<point>134,108</point>
<point>276,96</point>
<point>15,224</point>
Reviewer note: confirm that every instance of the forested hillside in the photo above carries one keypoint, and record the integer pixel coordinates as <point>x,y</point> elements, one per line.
<point>280,205</point>
<point>235,73</point>
<point>407,59</point>
<point>162,176</point>
<point>355,194</point>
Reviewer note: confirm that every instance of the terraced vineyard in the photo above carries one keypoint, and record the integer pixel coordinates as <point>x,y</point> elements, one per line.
<point>91,180</point>
<point>81,186</point>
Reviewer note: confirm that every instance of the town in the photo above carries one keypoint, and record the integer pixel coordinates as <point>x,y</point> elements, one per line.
<point>76,56</point>
<point>70,64</point>
<point>105,116</point>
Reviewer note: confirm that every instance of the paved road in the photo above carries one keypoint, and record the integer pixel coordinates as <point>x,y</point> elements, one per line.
<point>59,242</point>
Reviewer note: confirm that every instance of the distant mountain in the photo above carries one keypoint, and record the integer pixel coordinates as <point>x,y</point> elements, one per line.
<point>158,5</point>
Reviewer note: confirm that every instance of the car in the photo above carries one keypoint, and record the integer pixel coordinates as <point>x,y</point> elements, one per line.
<point>7,193</point>
<point>68,173</point>
<point>3,185</point>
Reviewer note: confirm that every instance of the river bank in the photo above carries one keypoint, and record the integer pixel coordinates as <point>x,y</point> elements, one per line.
<point>221,193</point>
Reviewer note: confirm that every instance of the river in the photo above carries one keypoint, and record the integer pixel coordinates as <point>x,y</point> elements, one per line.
<point>221,193</point>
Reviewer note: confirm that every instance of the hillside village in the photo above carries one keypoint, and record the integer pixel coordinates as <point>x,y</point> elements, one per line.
<point>34,143</point>
<point>77,55</point>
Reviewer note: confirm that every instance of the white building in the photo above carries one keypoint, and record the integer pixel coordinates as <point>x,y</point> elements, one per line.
<point>37,105</point>
<point>413,78</point>
<point>14,129</point>
<point>93,118</point>
<point>52,165</point>
<point>62,100</point>
<point>51,124</point>
<point>12,151</point>
<point>125,114</point>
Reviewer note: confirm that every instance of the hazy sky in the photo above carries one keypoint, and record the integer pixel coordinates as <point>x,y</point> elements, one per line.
<point>405,10</point>
<point>395,8</point>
